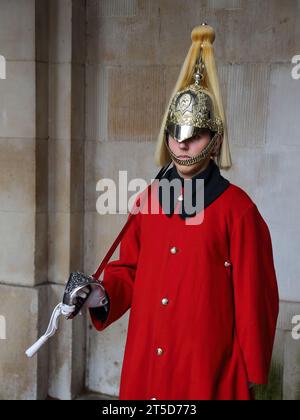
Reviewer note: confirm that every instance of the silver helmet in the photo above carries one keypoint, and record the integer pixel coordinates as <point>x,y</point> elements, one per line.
<point>192,110</point>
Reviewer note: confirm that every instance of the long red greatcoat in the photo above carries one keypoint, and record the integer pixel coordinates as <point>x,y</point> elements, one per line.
<point>213,322</point>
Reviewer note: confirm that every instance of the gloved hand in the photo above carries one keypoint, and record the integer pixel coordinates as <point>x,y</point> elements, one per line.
<point>94,296</point>
<point>90,296</point>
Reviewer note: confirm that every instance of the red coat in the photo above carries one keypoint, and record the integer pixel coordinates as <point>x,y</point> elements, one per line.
<point>214,323</point>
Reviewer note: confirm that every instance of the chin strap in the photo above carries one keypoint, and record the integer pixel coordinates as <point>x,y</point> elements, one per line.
<point>201,156</point>
<point>60,309</point>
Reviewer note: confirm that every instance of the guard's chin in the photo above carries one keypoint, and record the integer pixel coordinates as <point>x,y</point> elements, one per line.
<point>186,169</point>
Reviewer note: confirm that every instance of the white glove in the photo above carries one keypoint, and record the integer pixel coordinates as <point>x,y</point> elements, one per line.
<point>96,298</point>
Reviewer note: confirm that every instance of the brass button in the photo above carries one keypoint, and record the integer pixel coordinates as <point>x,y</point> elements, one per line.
<point>173,250</point>
<point>165,301</point>
<point>159,351</point>
<point>227,264</point>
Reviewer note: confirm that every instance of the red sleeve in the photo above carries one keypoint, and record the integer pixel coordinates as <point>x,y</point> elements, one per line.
<point>255,292</point>
<point>118,277</point>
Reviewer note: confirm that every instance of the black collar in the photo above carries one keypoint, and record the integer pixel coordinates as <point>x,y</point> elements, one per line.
<point>214,186</point>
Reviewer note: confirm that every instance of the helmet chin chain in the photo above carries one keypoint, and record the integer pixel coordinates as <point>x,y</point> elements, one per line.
<point>203,155</point>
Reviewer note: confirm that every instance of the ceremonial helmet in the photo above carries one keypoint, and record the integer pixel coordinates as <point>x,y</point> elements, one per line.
<point>196,105</point>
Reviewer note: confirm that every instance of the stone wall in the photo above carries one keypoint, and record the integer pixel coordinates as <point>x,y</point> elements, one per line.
<point>134,53</point>
<point>82,96</point>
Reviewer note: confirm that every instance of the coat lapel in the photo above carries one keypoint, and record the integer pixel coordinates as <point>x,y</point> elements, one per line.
<point>214,185</point>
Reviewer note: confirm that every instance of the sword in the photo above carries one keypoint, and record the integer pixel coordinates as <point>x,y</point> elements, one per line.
<point>69,307</point>
<point>77,281</point>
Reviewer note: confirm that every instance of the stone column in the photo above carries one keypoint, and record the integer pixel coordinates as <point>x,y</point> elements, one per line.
<point>23,201</point>
<point>66,134</point>
<point>41,194</point>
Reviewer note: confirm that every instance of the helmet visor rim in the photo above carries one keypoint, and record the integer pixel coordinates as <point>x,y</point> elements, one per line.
<point>184,132</point>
